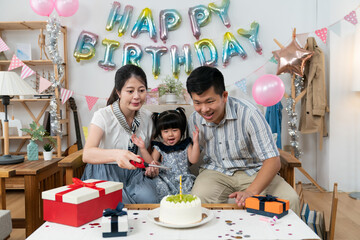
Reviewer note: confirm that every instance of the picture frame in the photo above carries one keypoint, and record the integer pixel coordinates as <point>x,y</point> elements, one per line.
<point>23,51</point>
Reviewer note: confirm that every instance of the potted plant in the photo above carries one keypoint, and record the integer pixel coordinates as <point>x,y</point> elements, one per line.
<point>48,148</point>
<point>172,88</point>
<point>36,133</point>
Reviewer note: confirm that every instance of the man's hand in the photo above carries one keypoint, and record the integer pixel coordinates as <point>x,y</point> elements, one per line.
<point>196,135</point>
<point>240,197</point>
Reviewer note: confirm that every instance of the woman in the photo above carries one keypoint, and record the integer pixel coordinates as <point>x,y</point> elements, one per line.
<point>109,148</point>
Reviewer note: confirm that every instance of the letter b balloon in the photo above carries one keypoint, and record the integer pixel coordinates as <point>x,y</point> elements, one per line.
<point>268,90</point>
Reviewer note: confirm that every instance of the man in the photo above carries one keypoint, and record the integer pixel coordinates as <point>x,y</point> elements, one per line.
<point>240,156</point>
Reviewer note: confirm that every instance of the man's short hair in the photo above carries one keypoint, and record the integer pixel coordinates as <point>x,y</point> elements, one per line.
<point>203,78</point>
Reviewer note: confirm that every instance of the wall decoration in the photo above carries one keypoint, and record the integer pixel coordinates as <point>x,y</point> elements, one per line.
<point>177,60</point>
<point>221,11</point>
<point>170,20</point>
<point>85,46</point>
<point>110,46</point>
<point>206,44</point>
<point>253,36</point>
<point>42,7</point>
<point>199,16</point>
<point>322,34</point>
<point>145,23</point>
<point>26,72</point>
<point>231,47</point>
<point>268,90</point>
<point>132,54</point>
<point>91,101</point>
<point>291,59</point>
<point>23,51</point>
<point>156,53</point>
<point>121,19</point>
<point>53,31</point>
<point>351,18</point>
<point>66,8</point>
<point>15,63</point>
<point>3,46</point>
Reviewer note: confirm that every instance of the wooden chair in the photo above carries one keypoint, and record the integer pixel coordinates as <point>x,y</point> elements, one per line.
<point>299,191</point>
<point>4,174</point>
<point>331,233</point>
<point>5,219</point>
<point>74,166</point>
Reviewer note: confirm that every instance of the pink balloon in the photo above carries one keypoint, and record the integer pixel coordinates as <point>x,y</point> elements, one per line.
<point>268,90</point>
<point>66,8</point>
<point>42,7</point>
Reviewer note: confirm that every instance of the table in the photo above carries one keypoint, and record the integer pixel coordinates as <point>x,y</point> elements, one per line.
<point>226,224</point>
<point>38,176</point>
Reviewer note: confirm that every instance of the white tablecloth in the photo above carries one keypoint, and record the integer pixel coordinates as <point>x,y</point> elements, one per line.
<point>226,224</point>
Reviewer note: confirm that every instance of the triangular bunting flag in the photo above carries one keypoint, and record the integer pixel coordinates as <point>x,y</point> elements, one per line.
<point>273,60</point>
<point>242,85</point>
<point>65,94</point>
<point>91,101</point>
<point>26,72</point>
<point>3,46</point>
<point>302,37</point>
<point>44,84</point>
<point>322,34</point>
<point>15,63</point>
<point>351,17</point>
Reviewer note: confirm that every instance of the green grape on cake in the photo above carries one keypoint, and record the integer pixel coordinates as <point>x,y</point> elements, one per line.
<point>184,198</point>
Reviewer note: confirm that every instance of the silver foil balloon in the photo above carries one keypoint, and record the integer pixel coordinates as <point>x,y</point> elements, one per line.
<point>170,20</point>
<point>177,60</point>
<point>132,54</point>
<point>221,11</point>
<point>156,53</point>
<point>122,19</point>
<point>199,16</point>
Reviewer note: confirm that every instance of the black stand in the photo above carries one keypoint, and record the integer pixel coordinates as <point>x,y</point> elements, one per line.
<point>7,158</point>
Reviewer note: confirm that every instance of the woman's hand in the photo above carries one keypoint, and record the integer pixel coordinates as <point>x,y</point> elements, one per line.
<point>138,141</point>
<point>152,171</point>
<point>123,158</point>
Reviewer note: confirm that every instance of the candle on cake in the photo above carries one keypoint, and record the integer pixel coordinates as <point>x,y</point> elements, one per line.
<point>180,188</point>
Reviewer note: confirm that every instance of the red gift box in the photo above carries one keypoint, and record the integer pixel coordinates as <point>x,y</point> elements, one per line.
<point>81,202</point>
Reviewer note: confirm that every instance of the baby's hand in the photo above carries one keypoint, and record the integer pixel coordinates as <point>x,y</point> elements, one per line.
<point>152,171</point>
<point>196,135</point>
<point>138,141</point>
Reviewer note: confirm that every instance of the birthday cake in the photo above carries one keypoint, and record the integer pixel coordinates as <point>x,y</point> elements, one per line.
<point>180,210</point>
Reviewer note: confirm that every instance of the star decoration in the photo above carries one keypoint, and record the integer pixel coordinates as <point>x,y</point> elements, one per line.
<point>291,59</point>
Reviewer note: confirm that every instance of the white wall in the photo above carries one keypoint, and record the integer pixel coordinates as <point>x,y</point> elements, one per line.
<point>343,160</point>
<point>277,18</point>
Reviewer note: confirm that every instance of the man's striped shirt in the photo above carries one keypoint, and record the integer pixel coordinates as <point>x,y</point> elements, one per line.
<point>241,141</point>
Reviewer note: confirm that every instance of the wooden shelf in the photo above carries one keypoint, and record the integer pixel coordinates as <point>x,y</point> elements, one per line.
<point>31,100</point>
<point>30,62</point>
<point>27,137</point>
<point>28,25</point>
<point>40,27</point>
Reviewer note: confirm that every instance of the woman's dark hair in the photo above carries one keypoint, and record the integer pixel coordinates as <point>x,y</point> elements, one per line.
<point>122,75</point>
<point>203,78</point>
<point>170,119</point>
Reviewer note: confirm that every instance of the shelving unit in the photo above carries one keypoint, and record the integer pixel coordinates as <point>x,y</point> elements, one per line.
<point>41,26</point>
